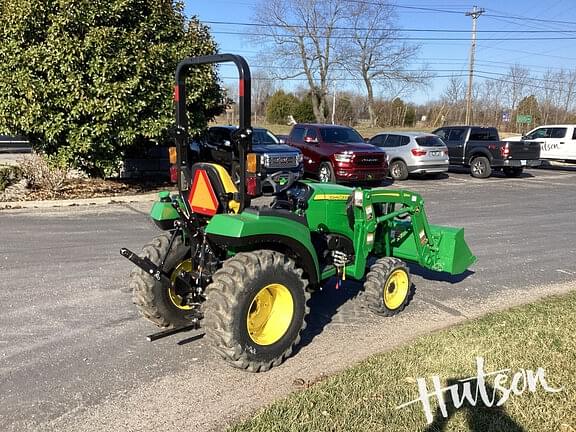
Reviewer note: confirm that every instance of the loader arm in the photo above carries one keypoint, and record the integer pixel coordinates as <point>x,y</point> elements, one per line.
<point>434,247</point>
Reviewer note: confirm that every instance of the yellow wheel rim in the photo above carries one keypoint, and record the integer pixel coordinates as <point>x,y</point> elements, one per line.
<point>396,289</point>
<point>178,301</point>
<point>270,314</point>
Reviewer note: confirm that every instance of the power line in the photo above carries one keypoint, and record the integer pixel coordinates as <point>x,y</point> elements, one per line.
<point>399,38</point>
<point>548,21</point>
<point>391,29</point>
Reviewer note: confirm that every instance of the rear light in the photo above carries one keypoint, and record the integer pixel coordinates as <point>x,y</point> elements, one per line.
<point>252,186</point>
<point>418,152</point>
<point>172,155</point>
<point>252,163</point>
<point>174,174</point>
<point>505,151</point>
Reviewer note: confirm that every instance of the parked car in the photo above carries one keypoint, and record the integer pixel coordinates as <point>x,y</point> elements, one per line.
<point>279,161</point>
<point>480,149</point>
<point>412,153</point>
<point>335,153</point>
<point>557,142</point>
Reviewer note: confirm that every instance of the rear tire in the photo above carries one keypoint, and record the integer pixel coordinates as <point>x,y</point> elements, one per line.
<point>388,289</point>
<point>326,173</point>
<point>398,170</point>
<point>255,309</point>
<point>154,300</point>
<point>513,171</point>
<point>480,167</point>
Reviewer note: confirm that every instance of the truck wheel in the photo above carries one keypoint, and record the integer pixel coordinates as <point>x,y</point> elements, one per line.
<point>163,305</point>
<point>388,289</point>
<point>513,171</point>
<point>398,170</point>
<point>326,173</point>
<point>480,167</point>
<point>255,309</point>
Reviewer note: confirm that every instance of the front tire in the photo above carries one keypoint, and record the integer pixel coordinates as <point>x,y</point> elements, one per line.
<point>480,167</point>
<point>326,173</point>
<point>255,309</point>
<point>398,170</point>
<point>163,305</point>
<point>388,289</point>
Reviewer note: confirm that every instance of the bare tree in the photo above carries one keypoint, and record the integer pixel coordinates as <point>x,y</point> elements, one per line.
<point>262,88</point>
<point>517,78</point>
<point>301,34</point>
<point>453,97</point>
<point>372,51</point>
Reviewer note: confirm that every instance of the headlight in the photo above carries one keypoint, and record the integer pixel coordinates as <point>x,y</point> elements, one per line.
<point>369,238</point>
<point>265,160</point>
<point>358,197</point>
<point>369,212</point>
<point>299,158</point>
<point>343,157</point>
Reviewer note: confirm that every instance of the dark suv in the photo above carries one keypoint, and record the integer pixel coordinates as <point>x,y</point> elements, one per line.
<point>278,161</point>
<point>338,153</point>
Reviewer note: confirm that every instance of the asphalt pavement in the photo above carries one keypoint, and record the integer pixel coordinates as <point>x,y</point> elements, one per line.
<point>73,354</point>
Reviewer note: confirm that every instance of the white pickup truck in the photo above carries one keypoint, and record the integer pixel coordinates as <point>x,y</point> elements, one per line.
<point>557,142</point>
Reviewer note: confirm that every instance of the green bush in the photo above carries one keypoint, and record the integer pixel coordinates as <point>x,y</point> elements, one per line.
<point>86,80</point>
<point>280,106</point>
<point>303,112</point>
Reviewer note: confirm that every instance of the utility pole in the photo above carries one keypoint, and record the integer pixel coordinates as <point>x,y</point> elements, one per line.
<point>475,13</point>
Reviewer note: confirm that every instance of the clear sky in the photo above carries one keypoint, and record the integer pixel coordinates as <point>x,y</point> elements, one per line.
<point>496,51</point>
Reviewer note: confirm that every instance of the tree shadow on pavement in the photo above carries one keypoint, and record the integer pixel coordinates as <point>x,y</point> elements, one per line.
<point>479,417</point>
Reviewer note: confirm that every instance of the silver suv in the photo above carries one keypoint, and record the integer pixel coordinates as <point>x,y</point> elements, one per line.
<point>412,152</point>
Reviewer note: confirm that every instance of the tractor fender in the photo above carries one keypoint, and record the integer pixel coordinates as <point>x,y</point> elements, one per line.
<point>285,232</point>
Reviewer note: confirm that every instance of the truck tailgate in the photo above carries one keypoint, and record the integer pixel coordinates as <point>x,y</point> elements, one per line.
<point>524,150</point>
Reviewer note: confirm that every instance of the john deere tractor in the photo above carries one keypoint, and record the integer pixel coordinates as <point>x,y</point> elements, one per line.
<point>246,272</point>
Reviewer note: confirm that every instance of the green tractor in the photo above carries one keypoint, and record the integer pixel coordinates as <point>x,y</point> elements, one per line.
<point>247,272</point>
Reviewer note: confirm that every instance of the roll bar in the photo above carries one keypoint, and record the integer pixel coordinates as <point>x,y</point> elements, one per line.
<point>244,103</point>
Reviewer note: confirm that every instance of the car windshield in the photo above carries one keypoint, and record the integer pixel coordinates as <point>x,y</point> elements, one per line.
<point>430,141</point>
<point>264,137</point>
<point>340,135</point>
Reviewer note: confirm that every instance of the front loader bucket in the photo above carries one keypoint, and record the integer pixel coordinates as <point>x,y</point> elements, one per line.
<point>453,254</point>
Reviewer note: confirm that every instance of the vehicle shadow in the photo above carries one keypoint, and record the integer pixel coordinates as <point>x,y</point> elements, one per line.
<point>325,305</point>
<point>424,273</point>
<point>479,417</point>
<point>555,166</point>
<point>495,173</point>
<point>429,177</point>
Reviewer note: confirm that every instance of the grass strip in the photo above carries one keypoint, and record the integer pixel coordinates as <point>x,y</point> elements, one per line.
<point>365,396</point>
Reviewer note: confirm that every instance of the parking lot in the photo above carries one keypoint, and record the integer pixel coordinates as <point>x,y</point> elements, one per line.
<point>73,353</point>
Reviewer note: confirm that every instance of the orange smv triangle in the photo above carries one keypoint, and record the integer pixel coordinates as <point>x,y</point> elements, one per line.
<point>202,197</point>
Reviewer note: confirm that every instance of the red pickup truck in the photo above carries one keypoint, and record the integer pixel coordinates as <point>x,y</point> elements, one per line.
<point>338,153</point>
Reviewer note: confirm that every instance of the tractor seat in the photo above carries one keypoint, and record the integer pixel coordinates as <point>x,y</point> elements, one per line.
<point>212,190</point>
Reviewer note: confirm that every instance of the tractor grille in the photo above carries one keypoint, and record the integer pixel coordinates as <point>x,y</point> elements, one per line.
<point>369,160</point>
<point>278,161</point>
